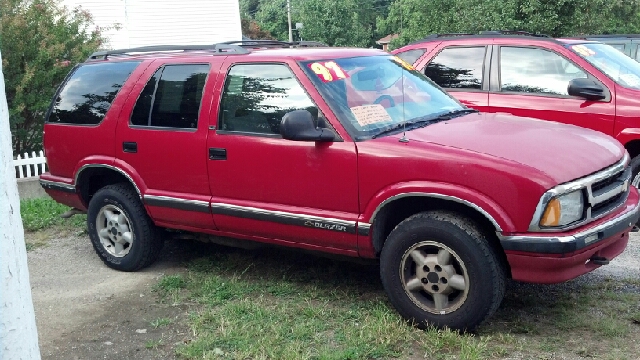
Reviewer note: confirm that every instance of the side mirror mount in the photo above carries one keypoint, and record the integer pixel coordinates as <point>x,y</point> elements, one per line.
<point>298,125</point>
<point>586,88</point>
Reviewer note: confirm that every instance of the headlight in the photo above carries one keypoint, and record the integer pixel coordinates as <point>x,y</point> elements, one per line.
<point>563,210</point>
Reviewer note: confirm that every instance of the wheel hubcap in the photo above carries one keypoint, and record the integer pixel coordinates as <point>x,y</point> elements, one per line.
<point>114,230</point>
<point>636,181</point>
<point>434,277</point>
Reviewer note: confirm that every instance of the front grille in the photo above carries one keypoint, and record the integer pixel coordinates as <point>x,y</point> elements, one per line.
<point>607,194</point>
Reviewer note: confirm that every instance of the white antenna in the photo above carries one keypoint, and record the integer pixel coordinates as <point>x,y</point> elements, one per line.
<point>403,139</point>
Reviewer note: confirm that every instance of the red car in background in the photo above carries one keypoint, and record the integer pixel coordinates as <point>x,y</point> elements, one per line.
<point>572,81</point>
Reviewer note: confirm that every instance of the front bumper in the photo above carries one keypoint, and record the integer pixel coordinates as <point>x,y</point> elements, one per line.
<point>553,258</point>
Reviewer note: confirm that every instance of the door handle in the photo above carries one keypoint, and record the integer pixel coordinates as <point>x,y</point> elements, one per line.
<point>217,154</point>
<point>130,147</point>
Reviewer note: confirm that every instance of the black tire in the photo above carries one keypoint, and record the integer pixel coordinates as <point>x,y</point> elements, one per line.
<point>470,254</point>
<point>146,241</point>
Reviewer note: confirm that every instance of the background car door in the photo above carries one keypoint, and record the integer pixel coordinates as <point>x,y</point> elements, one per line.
<point>266,186</point>
<point>461,71</point>
<point>163,137</point>
<point>533,82</point>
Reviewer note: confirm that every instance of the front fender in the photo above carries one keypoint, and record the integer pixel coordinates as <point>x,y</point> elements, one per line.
<point>479,202</point>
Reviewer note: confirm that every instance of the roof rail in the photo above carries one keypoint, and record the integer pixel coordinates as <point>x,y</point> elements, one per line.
<point>605,36</point>
<point>512,32</point>
<point>434,36</point>
<point>221,48</point>
<point>275,43</point>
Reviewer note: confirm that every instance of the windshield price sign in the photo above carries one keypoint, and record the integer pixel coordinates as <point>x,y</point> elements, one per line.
<point>328,71</point>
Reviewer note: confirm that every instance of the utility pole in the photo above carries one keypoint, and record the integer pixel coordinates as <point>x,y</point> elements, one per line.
<point>289,17</point>
<point>18,334</point>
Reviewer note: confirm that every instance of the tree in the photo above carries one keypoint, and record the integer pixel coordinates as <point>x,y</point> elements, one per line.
<point>18,334</point>
<point>272,17</point>
<point>337,22</point>
<point>42,41</point>
<point>415,19</point>
<point>252,30</point>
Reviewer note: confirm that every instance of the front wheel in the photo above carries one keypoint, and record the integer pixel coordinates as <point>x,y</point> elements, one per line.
<point>439,269</point>
<point>121,232</point>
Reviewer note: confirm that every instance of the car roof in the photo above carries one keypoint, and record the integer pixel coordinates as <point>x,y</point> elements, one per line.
<point>252,51</point>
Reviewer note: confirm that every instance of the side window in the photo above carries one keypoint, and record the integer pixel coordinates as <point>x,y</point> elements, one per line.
<point>531,70</point>
<point>257,96</point>
<point>411,56</point>
<point>637,53</point>
<point>88,93</point>
<point>457,68</point>
<point>171,98</point>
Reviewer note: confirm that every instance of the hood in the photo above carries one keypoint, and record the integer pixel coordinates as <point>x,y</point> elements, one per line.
<point>562,152</point>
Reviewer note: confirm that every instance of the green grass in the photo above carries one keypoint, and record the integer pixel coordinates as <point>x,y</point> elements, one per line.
<point>43,213</point>
<point>161,322</point>
<point>283,304</point>
<point>153,344</point>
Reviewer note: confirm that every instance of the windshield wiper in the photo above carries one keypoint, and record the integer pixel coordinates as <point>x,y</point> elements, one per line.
<point>424,121</point>
<point>390,130</point>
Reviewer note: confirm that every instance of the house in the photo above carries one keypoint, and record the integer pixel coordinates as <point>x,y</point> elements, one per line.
<point>163,22</point>
<point>386,40</point>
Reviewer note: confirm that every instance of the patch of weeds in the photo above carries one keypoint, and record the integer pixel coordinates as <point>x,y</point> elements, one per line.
<point>153,344</point>
<point>160,322</point>
<point>41,213</point>
<point>171,282</point>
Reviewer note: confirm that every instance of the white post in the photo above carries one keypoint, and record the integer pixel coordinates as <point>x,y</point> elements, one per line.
<point>18,334</point>
<point>289,17</point>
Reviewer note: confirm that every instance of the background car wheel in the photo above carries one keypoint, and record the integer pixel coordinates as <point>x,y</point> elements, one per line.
<point>438,269</point>
<point>121,232</point>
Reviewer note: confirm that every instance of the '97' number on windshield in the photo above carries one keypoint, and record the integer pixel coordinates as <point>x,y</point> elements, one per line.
<point>328,71</point>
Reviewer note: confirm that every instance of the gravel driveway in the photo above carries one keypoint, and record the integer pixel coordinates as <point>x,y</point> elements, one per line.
<point>85,310</point>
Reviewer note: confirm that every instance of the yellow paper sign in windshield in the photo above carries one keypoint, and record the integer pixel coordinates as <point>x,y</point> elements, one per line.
<point>328,71</point>
<point>404,64</point>
<point>583,50</point>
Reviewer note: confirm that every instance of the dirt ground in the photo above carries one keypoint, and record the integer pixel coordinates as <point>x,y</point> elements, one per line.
<point>85,310</point>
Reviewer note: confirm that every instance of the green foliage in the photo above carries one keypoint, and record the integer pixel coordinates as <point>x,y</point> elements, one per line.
<point>42,213</point>
<point>334,22</point>
<point>337,22</point>
<point>40,43</point>
<point>272,17</point>
<point>415,19</point>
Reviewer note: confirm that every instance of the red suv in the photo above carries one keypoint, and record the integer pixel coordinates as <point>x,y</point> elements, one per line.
<point>346,151</point>
<point>572,81</point>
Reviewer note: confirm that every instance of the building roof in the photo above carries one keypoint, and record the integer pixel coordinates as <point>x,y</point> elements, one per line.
<point>387,39</point>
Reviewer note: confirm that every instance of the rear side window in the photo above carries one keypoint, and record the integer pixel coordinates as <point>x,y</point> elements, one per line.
<point>411,56</point>
<point>458,68</point>
<point>171,98</point>
<point>88,93</point>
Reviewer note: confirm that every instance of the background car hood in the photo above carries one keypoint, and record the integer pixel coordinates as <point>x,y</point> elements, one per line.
<point>562,152</point>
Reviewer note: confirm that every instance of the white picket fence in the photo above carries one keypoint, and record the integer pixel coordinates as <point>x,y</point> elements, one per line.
<point>30,166</point>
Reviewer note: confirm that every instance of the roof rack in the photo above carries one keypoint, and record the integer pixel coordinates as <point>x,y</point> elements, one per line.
<point>275,43</point>
<point>483,34</point>
<point>605,36</point>
<point>512,32</point>
<point>221,48</point>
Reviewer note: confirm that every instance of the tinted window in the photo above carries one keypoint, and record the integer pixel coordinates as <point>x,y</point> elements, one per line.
<point>411,56</point>
<point>532,70</point>
<point>256,97</point>
<point>173,93</point>
<point>87,95</point>
<point>457,68</point>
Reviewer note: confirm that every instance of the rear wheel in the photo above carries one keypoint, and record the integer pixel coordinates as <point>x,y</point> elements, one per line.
<point>439,269</point>
<point>121,232</point>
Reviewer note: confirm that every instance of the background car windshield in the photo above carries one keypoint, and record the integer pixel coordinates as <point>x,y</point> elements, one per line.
<point>619,67</point>
<point>374,93</point>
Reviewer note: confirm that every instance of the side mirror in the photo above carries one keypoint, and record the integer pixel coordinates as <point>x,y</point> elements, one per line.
<point>587,89</point>
<point>298,125</point>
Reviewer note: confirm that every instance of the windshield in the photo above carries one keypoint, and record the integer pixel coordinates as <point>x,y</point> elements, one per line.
<point>619,67</point>
<point>373,94</point>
